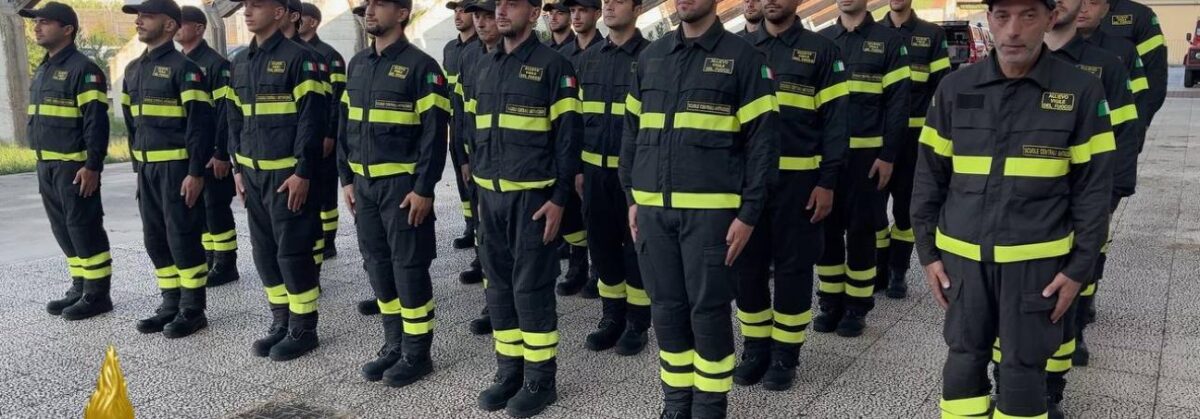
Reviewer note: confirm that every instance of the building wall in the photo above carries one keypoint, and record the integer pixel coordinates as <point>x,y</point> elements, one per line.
<point>1176,21</point>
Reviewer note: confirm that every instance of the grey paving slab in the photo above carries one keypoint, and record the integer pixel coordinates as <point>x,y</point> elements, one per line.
<point>1083,405</point>
<point>1178,393</point>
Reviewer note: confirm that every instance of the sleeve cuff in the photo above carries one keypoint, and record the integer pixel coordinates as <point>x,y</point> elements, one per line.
<point>94,164</point>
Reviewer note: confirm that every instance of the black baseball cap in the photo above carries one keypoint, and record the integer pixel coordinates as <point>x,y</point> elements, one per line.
<point>193,14</point>
<point>594,4</point>
<point>55,11</point>
<point>558,5</point>
<point>480,6</point>
<point>361,9</point>
<point>455,4</point>
<point>283,3</point>
<point>293,6</point>
<point>310,10</point>
<point>157,7</point>
<point>1051,4</point>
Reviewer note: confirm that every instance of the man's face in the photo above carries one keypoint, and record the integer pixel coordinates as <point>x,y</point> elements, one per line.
<point>754,12</point>
<point>514,17</point>
<point>1019,27</point>
<point>583,19</point>
<point>852,6</point>
<point>463,21</point>
<point>262,14</point>
<point>694,10</point>
<point>779,11</point>
<point>620,14</point>
<point>189,32</point>
<point>1090,14</point>
<point>485,27</point>
<point>381,17</point>
<point>559,21</point>
<point>151,26</point>
<point>1067,11</point>
<point>900,5</point>
<point>50,33</point>
<point>308,25</point>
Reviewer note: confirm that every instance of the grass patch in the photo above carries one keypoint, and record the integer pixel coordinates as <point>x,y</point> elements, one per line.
<point>20,159</point>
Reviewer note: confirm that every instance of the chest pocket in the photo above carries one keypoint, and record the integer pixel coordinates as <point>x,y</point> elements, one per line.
<point>274,104</point>
<point>596,97</point>
<point>394,114</point>
<point>524,113</point>
<point>1040,156</point>
<point>709,106</point>
<point>973,134</point>
<point>796,91</point>
<point>56,104</point>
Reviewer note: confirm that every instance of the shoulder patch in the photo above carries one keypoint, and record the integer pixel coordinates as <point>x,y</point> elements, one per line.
<point>531,73</point>
<point>718,65</point>
<point>1122,20</point>
<point>804,56</point>
<point>1055,101</point>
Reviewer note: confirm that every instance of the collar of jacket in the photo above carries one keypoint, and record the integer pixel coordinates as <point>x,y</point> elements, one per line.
<point>630,46</point>
<point>596,39</point>
<point>1040,73</point>
<point>521,52</point>
<point>790,36</point>
<point>910,24</point>
<point>393,50</point>
<point>459,42</point>
<point>268,45</point>
<point>159,51</point>
<point>570,38</point>
<point>707,41</point>
<point>839,29</point>
<point>199,50</point>
<point>1074,48</point>
<point>61,57</point>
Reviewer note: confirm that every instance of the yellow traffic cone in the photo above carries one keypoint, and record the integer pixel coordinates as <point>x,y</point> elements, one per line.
<point>111,398</point>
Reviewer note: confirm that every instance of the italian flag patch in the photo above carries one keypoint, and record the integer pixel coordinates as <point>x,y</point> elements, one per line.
<point>767,73</point>
<point>309,66</point>
<point>1102,109</point>
<point>93,78</point>
<point>435,79</point>
<point>568,82</point>
<point>838,67</point>
<point>192,77</point>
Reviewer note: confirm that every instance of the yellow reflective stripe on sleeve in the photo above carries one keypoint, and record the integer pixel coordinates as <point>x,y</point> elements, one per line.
<point>1035,167</point>
<point>165,111</point>
<point>277,164</point>
<point>1023,252</point>
<point>389,307</point>
<point>919,76</point>
<point>305,302</point>
<point>430,101</point>
<point>974,407</point>
<point>194,277</point>
<point>797,100</point>
<point>221,93</point>
<point>276,294</point>
<point>828,94</point>
<point>1123,114</point>
<point>156,156</point>
<point>1150,44</point>
<point>54,155</point>
<point>59,111</point>
<point>233,97</point>
<point>862,86</point>
<point>270,108</point>
<point>417,312</point>
<point>702,121</point>
<point>1139,84</point>
<point>382,169</point>
<point>866,142</point>
<point>958,247</point>
<point>594,107</point>
<point>517,122</point>
<point>972,165</point>
<point>600,160</point>
<point>755,317</point>
<point>677,359</point>
<point>633,105</point>
<point>306,87</point>
<point>757,107</point>
<point>199,95</point>
<point>1099,143</point>
<point>689,200</point>
<point>799,163</point>
<point>126,99</point>
<point>940,145</point>
<point>916,122</point>
<point>511,185</point>
<point>903,235</point>
<point>562,106</point>
<point>452,78</point>
<point>354,113</point>
<point>676,379</point>
<point>636,296</point>
<point>652,120</point>
<point>91,96</point>
<point>611,291</point>
<point>337,77</point>
<point>896,76</point>
<point>939,64</point>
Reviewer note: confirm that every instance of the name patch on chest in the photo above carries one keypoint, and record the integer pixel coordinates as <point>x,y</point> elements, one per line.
<point>705,107</point>
<point>531,73</point>
<point>873,47</point>
<point>1062,102</point>
<point>522,110</point>
<point>398,71</point>
<point>718,65</point>
<point>161,72</point>
<point>1122,20</point>
<point>393,105</point>
<point>921,41</point>
<point>59,75</point>
<point>807,57</point>
<point>1094,70</point>
<point>1045,152</point>
<point>790,87</point>
<point>277,67</point>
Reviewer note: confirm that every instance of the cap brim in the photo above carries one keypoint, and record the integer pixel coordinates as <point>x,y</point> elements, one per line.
<point>29,13</point>
<point>131,9</point>
<point>455,5</point>
<point>359,11</point>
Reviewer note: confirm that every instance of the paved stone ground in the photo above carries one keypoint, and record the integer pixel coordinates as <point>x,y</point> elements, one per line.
<point>1145,343</point>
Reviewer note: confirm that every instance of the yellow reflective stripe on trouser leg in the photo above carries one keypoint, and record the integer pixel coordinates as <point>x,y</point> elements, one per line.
<point>860,283</point>
<point>194,277</point>
<point>95,267</point>
<point>508,342</point>
<point>305,302</point>
<point>636,296</point>
<point>206,241</point>
<point>466,209</point>
<point>1088,291</point>
<point>74,267</point>
<point>319,251</point>
<point>277,294</point>
<point>540,346</point>
<point>418,320</point>
<point>578,238</point>
<point>972,407</point>
<point>225,241</point>
<point>676,369</point>
<point>713,376</point>
<point>755,324</point>
<point>329,220</point>
<point>790,328</point>
<point>389,307</point>
<point>1001,415</point>
<point>615,291</point>
<point>881,238</point>
<point>168,277</point>
<point>830,271</point>
<point>1060,362</point>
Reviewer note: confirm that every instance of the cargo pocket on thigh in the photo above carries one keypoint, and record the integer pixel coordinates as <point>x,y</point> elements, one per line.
<point>718,278</point>
<point>1041,337</point>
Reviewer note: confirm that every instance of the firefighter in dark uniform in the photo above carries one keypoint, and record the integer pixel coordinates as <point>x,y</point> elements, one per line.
<point>605,74</point>
<point>584,15</point>
<point>1010,209</point>
<point>464,23</point>
<point>220,237</point>
<point>524,161</point>
<point>754,19</point>
<point>558,17</point>
<point>327,192</point>
<point>699,151</point>
<point>68,132</point>
<point>488,40</point>
<point>275,136</point>
<point>169,112</point>
<point>812,91</point>
<point>879,82</point>
<point>929,61</point>
<point>391,152</point>
<point>1137,23</point>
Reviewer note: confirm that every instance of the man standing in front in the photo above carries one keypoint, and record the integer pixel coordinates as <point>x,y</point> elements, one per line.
<point>275,135</point>
<point>699,151</point>
<point>1010,208</point>
<point>169,112</point>
<point>524,162</point>
<point>68,132</point>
